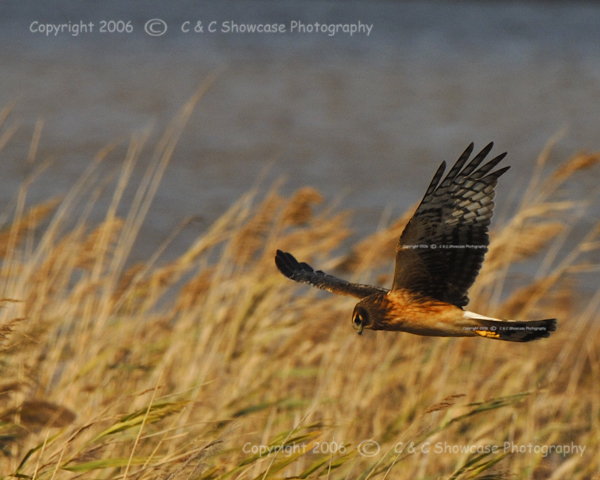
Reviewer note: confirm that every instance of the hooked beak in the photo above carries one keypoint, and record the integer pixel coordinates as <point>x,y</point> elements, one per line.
<point>359,330</point>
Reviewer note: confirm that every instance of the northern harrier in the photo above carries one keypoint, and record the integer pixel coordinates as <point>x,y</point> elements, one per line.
<point>438,258</point>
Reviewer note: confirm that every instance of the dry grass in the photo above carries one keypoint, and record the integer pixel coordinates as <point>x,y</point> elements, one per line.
<point>177,370</point>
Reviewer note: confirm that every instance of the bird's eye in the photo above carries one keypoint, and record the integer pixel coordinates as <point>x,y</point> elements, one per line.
<point>358,320</point>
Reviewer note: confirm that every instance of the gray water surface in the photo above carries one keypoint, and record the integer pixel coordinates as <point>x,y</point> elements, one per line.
<point>368,118</point>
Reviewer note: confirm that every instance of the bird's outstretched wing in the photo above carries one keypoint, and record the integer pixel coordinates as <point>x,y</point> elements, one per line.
<point>304,273</point>
<point>443,246</point>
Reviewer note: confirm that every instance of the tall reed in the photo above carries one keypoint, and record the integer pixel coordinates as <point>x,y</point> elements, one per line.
<point>214,366</point>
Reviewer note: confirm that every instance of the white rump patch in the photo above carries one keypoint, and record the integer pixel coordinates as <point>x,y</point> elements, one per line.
<point>476,316</point>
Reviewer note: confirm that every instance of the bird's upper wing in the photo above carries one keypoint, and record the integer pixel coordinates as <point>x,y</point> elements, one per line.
<point>443,246</point>
<point>304,273</point>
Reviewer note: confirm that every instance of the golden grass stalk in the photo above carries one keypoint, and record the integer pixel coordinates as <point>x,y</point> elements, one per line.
<point>185,369</point>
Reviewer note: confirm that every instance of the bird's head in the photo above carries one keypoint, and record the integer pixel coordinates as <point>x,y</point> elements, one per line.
<point>370,313</point>
<point>361,319</point>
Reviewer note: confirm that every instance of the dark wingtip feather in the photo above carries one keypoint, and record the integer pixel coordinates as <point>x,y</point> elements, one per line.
<point>473,164</point>
<point>498,173</point>
<point>502,155</point>
<point>458,165</point>
<point>485,169</point>
<point>502,171</point>
<point>484,151</point>
<point>285,263</point>
<point>288,265</point>
<point>435,181</point>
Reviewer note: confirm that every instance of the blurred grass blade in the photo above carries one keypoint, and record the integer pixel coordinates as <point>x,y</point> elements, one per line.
<point>157,412</point>
<point>104,463</point>
<point>476,467</point>
<point>45,444</point>
<point>325,463</point>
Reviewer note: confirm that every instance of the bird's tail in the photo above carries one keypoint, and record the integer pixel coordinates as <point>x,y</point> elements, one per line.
<point>511,330</point>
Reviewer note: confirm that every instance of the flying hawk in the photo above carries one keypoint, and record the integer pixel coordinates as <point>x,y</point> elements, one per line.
<point>438,258</point>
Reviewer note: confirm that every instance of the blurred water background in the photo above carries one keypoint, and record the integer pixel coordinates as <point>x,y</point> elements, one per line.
<point>363,118</point>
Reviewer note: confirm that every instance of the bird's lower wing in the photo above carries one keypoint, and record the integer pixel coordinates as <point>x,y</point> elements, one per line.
<point>304,273</point>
